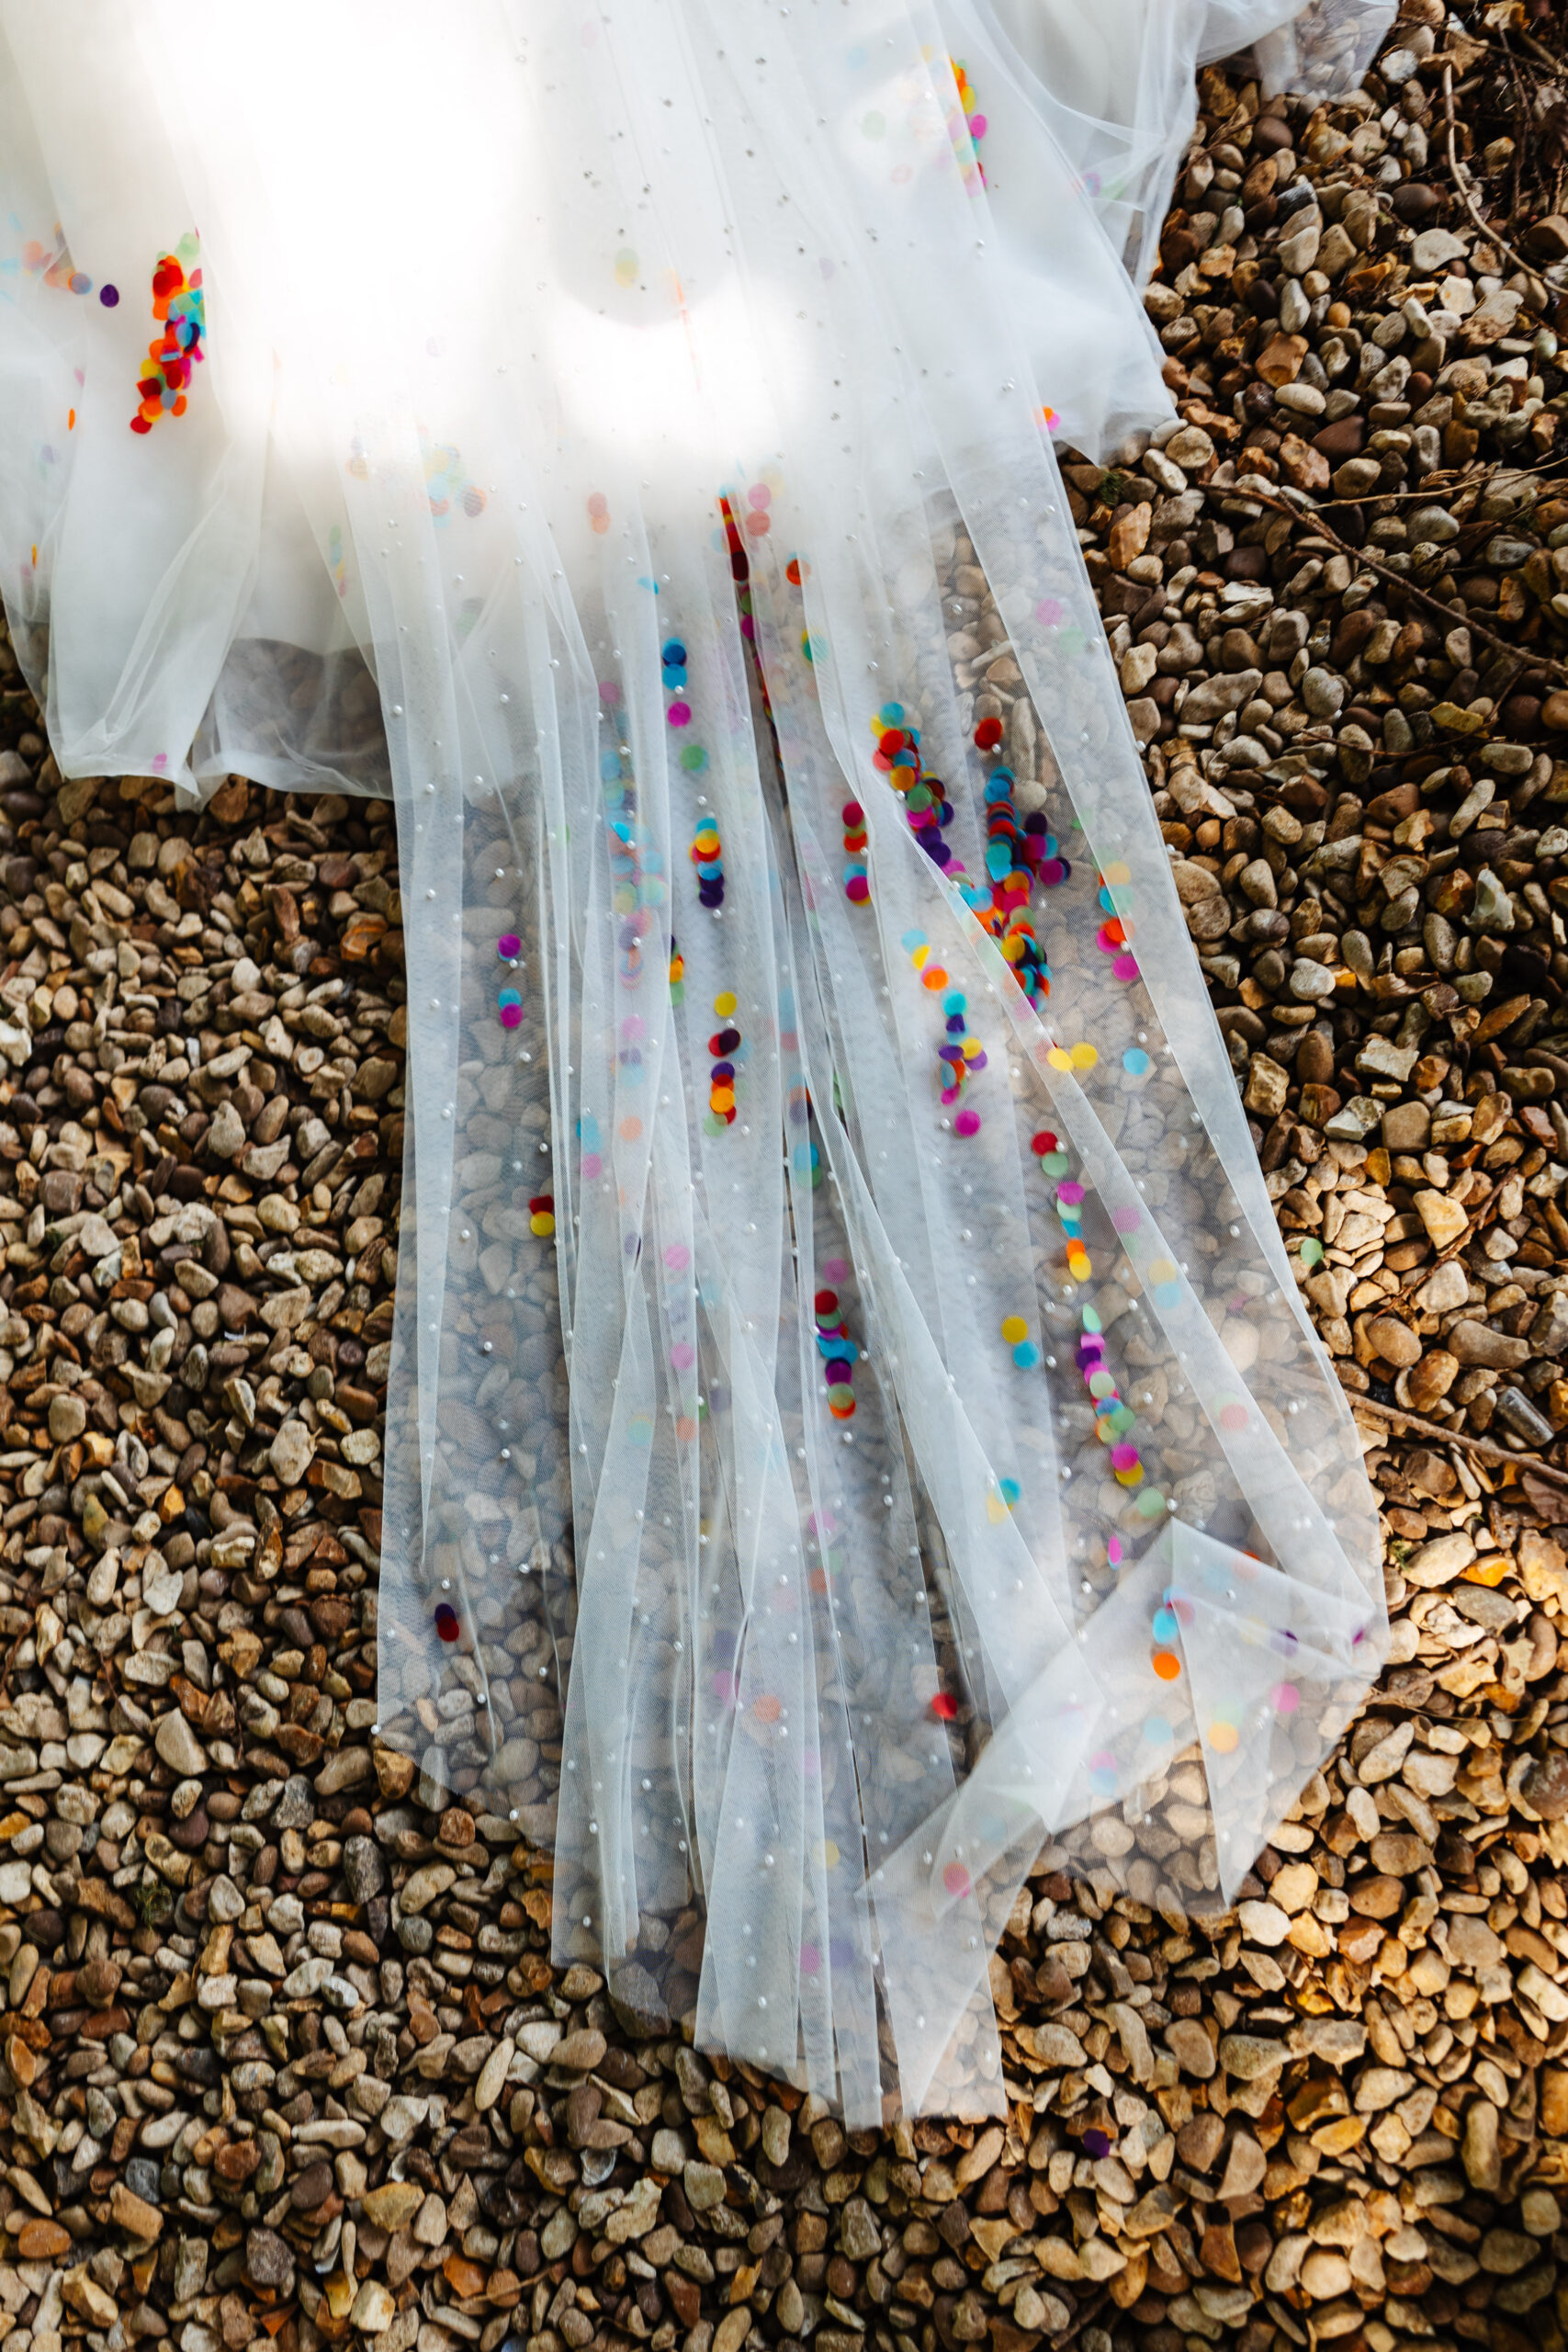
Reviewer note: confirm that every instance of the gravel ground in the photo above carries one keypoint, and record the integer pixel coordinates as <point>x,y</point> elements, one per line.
<point>282,2051</point>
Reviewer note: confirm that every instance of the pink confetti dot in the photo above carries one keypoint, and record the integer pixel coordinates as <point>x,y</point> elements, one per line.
<point>683,1355</point>
<point>677,1257</point>
<point>1048,612</point>
<point>679,714</point>
<point>967,1123</point>
<point>835,1270</point>
<point>1125,967</point>
<point>1286,1698</point>
<point>510,1016</point>
<point>592,1167</point>
<point>955,1878</point>
<point>1125,1458</point>
<point>1126,1220</point>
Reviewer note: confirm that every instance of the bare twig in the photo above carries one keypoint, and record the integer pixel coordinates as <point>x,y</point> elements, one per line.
<point>1466,194</point>
<point>1445,613</point>
<point>1487,1448</point>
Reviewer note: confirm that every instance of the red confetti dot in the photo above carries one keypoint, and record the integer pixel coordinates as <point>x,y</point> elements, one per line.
<point>1043,1142</point>
<point>945,1706</point>
<point>989,734</point>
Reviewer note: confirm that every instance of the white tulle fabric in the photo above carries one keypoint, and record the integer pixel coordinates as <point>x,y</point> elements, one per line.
<point>541,340</point>
<point>1115,82</point>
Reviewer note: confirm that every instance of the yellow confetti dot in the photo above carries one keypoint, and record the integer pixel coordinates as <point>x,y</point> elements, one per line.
<point>724,1004</point>
<point>1161,1270</point>
<point>919,955</point>
<point>542,1225</point>
<point>829,1854</point>
<point>1084,1057</point>
<point>1224,1737</point>
<point>1117,872</point>
<point>1058,1059</point>
<point>1014,1329</point>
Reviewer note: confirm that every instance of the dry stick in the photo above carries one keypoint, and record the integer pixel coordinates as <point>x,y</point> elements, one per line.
<point>1466,195</point>
<point>1485,1446</point>
<point>1312,518</point>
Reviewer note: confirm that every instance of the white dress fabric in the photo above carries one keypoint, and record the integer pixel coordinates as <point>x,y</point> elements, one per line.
<point>864,1386</point>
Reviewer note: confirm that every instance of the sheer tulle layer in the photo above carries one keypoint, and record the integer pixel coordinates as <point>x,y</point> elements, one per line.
<point>852,1420</point>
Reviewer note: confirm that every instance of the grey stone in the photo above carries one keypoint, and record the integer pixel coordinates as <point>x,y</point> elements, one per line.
<point>1323,693</point>
<point>296,1807</point>
<point>1216,696</point>
<point>1477,1343</point>
<point>269,2261</point>
<point>363,1867</point>
<point>637,2002</point>
<point>1492,908</point>
<point>1548,1332</point>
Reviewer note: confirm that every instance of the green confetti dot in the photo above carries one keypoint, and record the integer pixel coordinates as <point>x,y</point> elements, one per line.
<point>1312,1253</point>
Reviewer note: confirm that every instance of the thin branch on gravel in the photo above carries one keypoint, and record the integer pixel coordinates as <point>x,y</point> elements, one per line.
<point>1466,194</point>
<point>1445,613</point>
<point>1487,1448</point>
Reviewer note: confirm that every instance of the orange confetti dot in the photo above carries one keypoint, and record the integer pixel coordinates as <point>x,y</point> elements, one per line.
<point>1166,1664</point>
<point>767,1708</point>
<point>1224,1737</point>
<point>630,1128</point>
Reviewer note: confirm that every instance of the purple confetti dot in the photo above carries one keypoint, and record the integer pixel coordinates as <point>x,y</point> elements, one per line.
<point>508,945</point>
<point>109,296</point>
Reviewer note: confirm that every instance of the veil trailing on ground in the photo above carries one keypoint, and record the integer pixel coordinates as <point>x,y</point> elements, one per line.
<point>850,1422</point>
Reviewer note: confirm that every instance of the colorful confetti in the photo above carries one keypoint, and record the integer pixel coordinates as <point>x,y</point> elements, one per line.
<point>838,1352</point>
<point>178,307</point>
<point>960,1053</point>
<point>726,1047</point>
<point>857,885</point>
